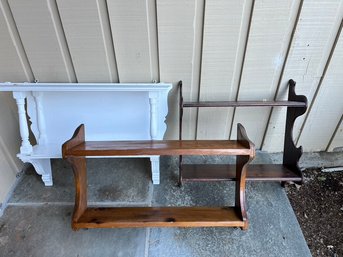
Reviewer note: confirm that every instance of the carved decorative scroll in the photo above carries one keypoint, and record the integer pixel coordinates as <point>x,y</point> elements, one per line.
<point>180,128</point>
<point>42,139</point>
<point>292,153</point>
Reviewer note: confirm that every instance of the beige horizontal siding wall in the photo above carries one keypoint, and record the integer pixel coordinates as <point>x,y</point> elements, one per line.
<point>89,40</point>
<point>336,139</point>
<point>9,146</point>
<point>221,50</point>
<point>14,66</point>
<point>314,37</point>
<point>179,28</point>
<point>327,107</point>
<point>225,30</point>
<point>265,54</point>
<point>41,33</point>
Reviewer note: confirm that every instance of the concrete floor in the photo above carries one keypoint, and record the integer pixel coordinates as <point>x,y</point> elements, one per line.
<point>37,221</point>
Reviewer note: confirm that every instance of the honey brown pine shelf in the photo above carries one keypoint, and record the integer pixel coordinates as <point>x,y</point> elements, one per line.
<point>77,149</point>
<point>287,171</point>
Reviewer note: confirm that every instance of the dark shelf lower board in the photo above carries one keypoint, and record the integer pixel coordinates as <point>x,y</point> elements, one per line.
<point>244,104</point>
<point>120,217</point>
<point>219,172</point>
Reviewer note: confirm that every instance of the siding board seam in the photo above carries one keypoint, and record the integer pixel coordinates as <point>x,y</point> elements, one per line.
<point>153,58</point>
<point>61,39</point>
<point>112,67</point>
<point>17,42</point>
<point>157,46</point>
<point>112,41</point>
<point>334,134</point>
<point>8,156</point>
<point>200,67</point>
<point>158,42</point>
<point>242,65</point>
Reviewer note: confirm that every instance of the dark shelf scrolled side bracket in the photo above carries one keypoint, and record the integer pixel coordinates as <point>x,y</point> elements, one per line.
<point>180,128</point>
<point>292,153</point>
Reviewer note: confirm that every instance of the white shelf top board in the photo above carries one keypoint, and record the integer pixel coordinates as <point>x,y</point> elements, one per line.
<point>88,87</point>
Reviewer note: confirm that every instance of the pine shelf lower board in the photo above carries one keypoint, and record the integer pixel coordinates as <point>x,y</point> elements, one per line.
<point>220,172</point>
<point>121,217</point>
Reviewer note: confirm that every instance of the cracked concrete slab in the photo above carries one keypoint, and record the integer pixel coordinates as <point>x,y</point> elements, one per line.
<point>31,227</point>
<point>316,159</point>
<point>109,181</point>
<point>273,229</point>
<point>45,231</point>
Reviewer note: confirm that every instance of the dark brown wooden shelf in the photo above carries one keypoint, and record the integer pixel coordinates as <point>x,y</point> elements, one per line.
<point>118,217</point>
<point>243,104</point>
<point>288,171</point>
<point>159,147</point>
<point>227,172</point>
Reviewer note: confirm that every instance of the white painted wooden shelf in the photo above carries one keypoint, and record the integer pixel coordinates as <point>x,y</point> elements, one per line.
<point>111,111</point>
